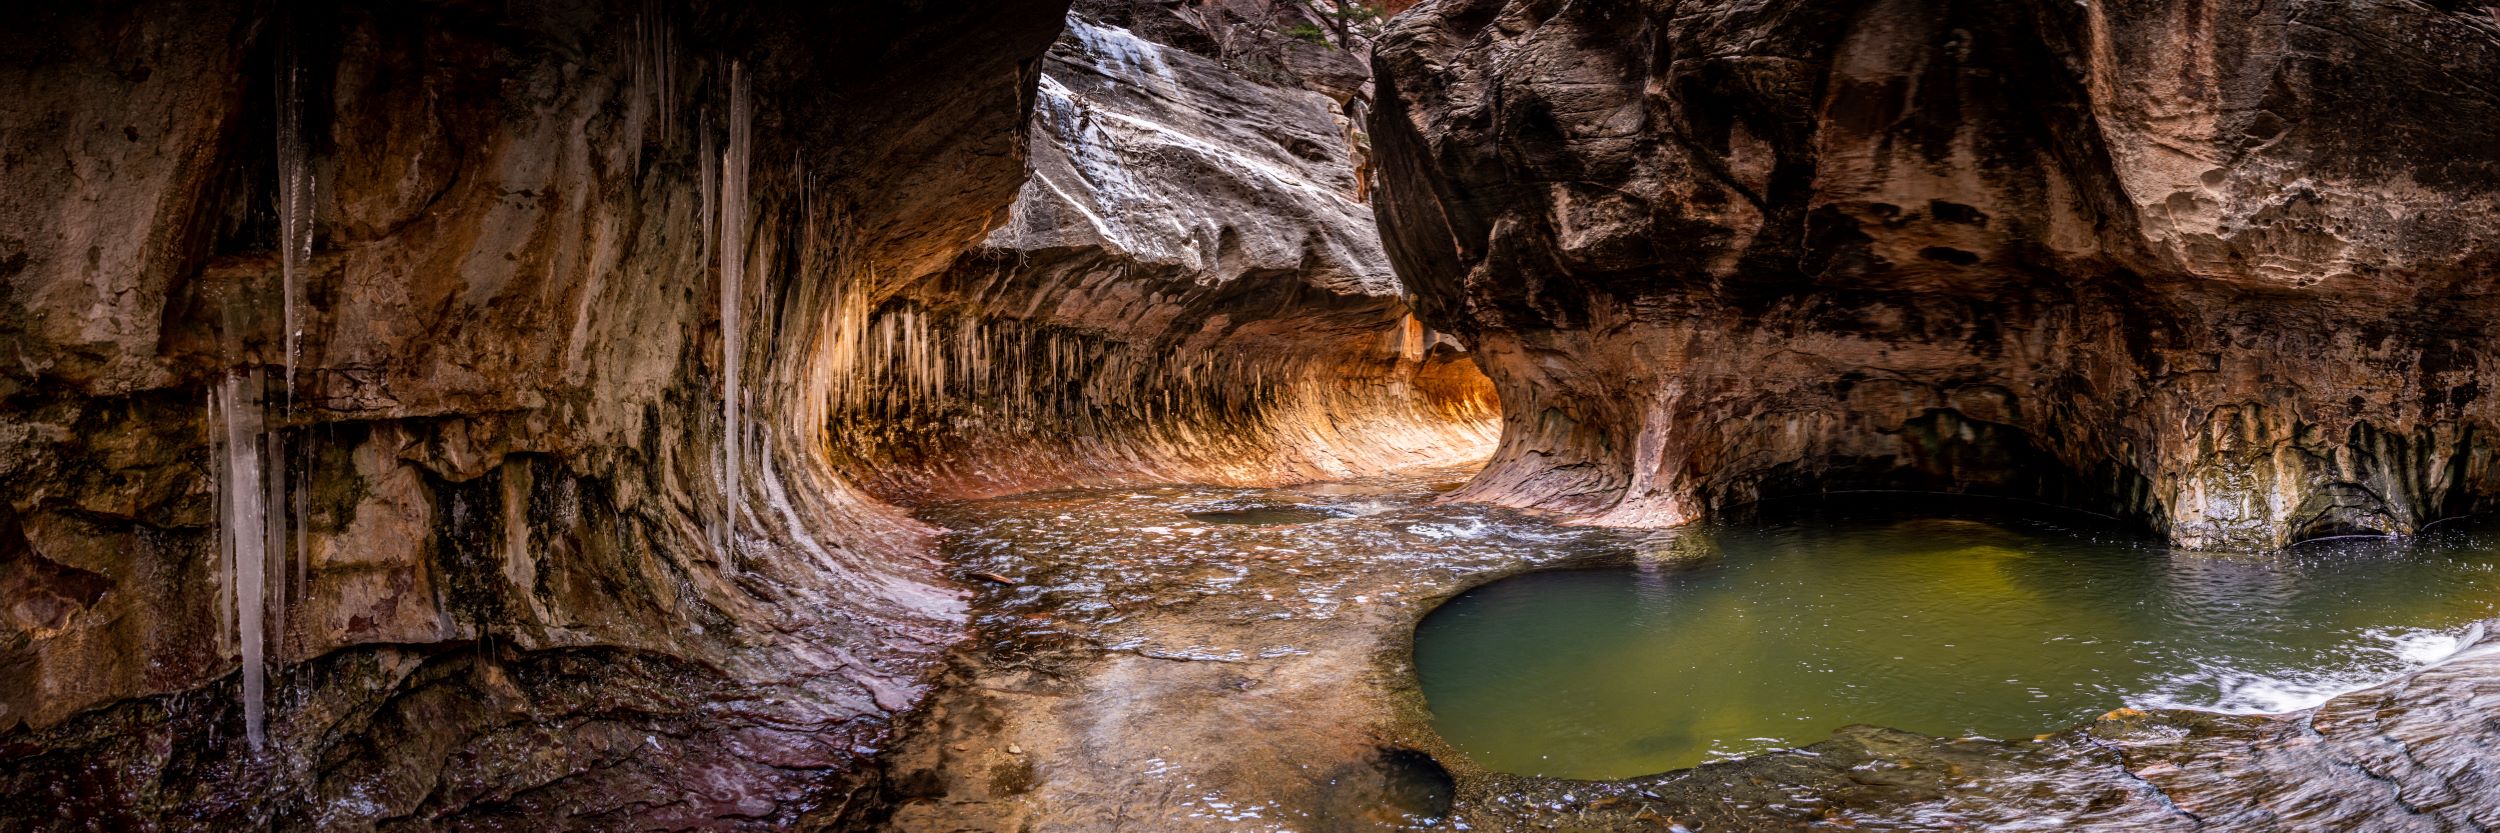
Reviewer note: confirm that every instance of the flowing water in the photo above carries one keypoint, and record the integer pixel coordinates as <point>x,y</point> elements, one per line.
<point>1242,654</point>
<point>1997,628</point>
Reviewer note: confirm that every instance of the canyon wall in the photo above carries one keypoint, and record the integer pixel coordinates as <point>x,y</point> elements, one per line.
<point>1187,289</point>
<point>2224,269</point>
<point>443,416</point>
<point>415,412</point>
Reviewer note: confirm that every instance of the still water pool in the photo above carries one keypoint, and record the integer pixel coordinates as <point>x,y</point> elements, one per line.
<point>1994,628</point>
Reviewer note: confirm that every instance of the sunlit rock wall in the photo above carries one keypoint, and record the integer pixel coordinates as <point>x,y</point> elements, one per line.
<point>504,584</point>
<point>1188,288</point>
<point>2222,268</point>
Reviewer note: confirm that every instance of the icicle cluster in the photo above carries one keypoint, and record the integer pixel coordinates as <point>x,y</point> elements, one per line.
<point>654,80</point>
<point>912,365</point>
<point>252,532</point>
<point>256,557</point>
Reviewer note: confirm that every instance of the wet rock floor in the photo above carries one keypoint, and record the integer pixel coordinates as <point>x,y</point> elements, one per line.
<point>1198,658</point>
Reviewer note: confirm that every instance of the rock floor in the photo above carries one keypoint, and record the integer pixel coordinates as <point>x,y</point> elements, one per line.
<point>1135,668</point>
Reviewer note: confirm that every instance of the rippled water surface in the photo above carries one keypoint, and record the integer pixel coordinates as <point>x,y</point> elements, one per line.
<point>1945,627</point>
<point>1096,565</point>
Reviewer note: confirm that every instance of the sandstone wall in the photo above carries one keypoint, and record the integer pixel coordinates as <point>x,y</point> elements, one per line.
<point>2222,268</point>
<point>506,587</point>
<point>433,415</point>
<point>1187,289</point>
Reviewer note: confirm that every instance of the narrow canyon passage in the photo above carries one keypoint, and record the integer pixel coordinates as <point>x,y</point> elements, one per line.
<point>1313,415</point>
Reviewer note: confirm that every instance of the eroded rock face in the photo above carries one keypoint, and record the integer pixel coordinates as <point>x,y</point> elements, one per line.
<point>1188,289</point>
<point>513,593</point>
<point>592,341</point>
<point>2223,268</point>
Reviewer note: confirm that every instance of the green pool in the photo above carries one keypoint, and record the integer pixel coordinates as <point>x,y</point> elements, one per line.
<point>1998,628</point>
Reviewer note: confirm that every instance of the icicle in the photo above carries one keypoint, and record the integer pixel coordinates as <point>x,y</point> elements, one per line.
<point>652,82</point>
<point>297,196</point>
<point>295,204</point>
<point>302,560</point>
<point>225,531</point>
<point>663,61</point>
<point>275,560</point>
<point>638,94</point>
<point>709,162</point>
<point>733,253</point>
<point>243,533</point>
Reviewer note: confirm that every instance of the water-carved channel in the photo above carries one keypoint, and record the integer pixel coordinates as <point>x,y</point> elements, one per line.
<point>1134,642</point>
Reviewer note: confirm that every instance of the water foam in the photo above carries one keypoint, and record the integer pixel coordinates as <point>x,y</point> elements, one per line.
<point>2383,656</point>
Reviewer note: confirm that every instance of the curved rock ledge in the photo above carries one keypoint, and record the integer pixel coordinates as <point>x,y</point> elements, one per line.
<point>1188,288</point>
<point>2220,268</point>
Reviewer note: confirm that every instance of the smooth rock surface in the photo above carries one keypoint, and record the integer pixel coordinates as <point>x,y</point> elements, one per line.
<point>514,593</point>
<point>595,345</point>
<point>2220,268</point>
<point>1189,288</point>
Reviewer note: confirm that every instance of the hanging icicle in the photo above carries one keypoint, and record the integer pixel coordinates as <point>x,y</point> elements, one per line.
<point>733,255</point>
<point>294,202</point>
<point>652,76</point>
<point>297,198</point>
<point>245,532</point>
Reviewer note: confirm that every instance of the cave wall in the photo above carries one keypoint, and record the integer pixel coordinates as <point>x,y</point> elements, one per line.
<point>1189,288</point>
<point>2220,268</point>
<point>506,586</point>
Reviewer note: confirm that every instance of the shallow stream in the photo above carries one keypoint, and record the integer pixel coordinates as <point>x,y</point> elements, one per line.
<point>1191,657</point>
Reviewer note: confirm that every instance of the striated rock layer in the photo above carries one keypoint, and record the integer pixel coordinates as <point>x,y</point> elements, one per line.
<point>473,268</point>
<point>434,416</point>
<point>2223,268</point>
<point>1187,289</point>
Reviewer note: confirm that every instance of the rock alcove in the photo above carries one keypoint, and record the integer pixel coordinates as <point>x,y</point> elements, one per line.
<point>2227,280</point>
